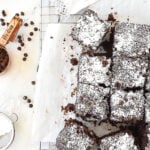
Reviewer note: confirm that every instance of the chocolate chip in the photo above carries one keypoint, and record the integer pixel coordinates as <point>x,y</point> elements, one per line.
<point>74,61</point>
<point>29,39</point>
<point>4,13</point>
<point>24,58</point>
<point>3,23</point>
<point>19,36</point>
<point>19,48</point>
<point>7,23</point>
<point>31,22</point>
<point>25,24</point>
<point>22,13</point>
<point>51,37</point>
<point>30,105</point>
<point>29,100</point>
<point>22,44</point>
<point>25,55</point>
<point>1,19</point>
<point>33,82</point>
<point>35,29</point>
<point>25,97</point>
<point>31,33</point>
<point>17,14</point>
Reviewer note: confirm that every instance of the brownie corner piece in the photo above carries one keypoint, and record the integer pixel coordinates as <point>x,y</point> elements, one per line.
<point>131,39</point>
<point>90,30</point>
<point>127,107</point>
<point>94,70</point>
<point>92,102</point>
<point>128,72</point>
<point>75,136</point>
<point>118,141</point>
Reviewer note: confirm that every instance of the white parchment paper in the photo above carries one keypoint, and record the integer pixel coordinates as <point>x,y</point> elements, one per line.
<point>54,79</point>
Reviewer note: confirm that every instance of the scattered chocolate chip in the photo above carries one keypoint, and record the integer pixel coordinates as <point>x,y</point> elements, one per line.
<point>19,36</point>
<point>3,23</point>
<point>29,39</point>
<point>31,22</point>
<point>29,100</point>
<point>33,82</point>
<point>24,58</point>
<point>25,24</point>
<point>4,13</point>
<point>20,40</point>
<point>22,44</point>
<point>30,105</point>
<point>7,23</point>
<point>74,61</point>
<point>25,55</point>
<point>31,33</point>
<point>51,37</point>
<point>25,97</point>
<point>17,14</point>
<point>64,39</point>
<point>35,29</point>
<point>22,13</point>
<point>19,48</point>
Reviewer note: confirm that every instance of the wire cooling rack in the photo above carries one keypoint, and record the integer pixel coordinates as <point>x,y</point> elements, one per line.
<point>50,14</point>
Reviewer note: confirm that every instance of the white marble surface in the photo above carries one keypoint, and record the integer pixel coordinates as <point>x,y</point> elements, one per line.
<point>17,81</point>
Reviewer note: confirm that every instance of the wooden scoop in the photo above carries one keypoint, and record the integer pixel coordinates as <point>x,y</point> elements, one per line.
<point>9,35</point>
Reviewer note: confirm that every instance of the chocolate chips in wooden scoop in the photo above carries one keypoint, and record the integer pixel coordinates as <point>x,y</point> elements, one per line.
<point>4,59</point>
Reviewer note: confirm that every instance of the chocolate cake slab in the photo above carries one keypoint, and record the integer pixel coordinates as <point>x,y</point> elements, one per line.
<point>75,136</point>
<point>92,102</point>
<point>128,72</point>
<point>90,30</point>
<point>127,107</point>
<point>94,70</point>
<point>118,141</point>
<point>131,40</point>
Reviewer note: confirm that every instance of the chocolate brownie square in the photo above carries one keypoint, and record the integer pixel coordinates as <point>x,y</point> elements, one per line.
<point>147,107</point>
<point>128,72</point>
<point>90,30</point>
<point>118,141</point>
<point>92,102</point>
<point>131,40</point>
<point>94,70</point>
<point>75,136</point>
<point>127,107</point>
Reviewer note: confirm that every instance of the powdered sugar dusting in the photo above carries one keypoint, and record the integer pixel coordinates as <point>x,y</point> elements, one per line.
<point>92,70</point>
<point>92,101</point>
<point>120,141</point>
<point>129,72</point>
<point>131,39</point>
<point>127,106</point>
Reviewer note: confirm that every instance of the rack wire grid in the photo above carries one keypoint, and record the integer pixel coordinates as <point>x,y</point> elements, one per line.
<point>50,14</point>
